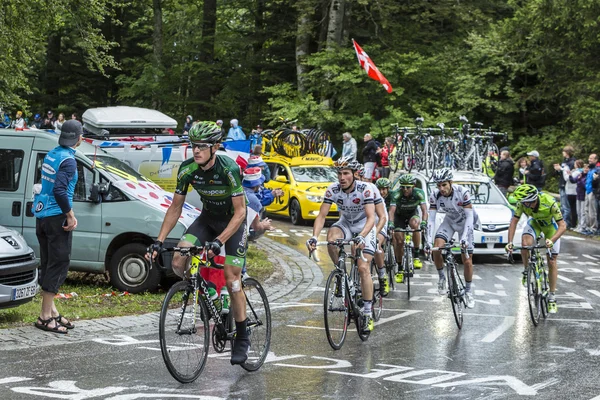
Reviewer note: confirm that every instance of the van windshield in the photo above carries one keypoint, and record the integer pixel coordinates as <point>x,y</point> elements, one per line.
<point>117,169</point>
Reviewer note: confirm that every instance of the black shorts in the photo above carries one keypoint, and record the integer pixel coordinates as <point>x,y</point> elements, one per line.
<point>401,220</point>
<point>55,251</point>
<point>207,227</point>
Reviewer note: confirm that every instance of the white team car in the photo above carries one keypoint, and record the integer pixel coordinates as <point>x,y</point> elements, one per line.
<point>493,209</point>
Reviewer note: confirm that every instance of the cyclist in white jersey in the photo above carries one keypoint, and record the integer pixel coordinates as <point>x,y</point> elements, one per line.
<point>455,202</point>
<point>381,220</point>
<point>355,202</point>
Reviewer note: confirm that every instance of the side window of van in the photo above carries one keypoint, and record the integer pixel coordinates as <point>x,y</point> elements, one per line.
<point>85,179</point>
<point>10,169</point>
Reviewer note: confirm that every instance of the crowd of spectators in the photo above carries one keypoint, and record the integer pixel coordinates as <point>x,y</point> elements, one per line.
<point>20,121</point>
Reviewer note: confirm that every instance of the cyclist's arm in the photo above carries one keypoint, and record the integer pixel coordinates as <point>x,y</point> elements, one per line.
<point>562,227</point>
<point>392,212</point>
<point>512,228</point>
<point>424,213</point>
<point>469,222</point>
<point>380,210</point>
<point>171,217</point>
<point>320,220</point>
<point>239,216</point>
<point>370,213</point>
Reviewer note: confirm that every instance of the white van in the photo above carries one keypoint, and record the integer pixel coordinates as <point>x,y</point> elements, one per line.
<point>119,212</point>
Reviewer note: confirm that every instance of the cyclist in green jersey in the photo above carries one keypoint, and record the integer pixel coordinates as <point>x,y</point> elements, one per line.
<point>403,212</point>
<point>222,223</point>
<point>545,219</point>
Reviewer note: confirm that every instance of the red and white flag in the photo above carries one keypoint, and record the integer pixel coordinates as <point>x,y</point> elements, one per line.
<point>370,68</point>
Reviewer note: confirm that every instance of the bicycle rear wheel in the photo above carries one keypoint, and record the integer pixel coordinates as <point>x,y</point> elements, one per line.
<point>335,309</point>
<point>407,268</point>
<point>405,153</point>
<point>259,323</point>
<point>377,297</point>
<point>533,296</point>
<point>456,297</point>
<point>184,333</point>
<point>544,295</point>
<point>390,264</point>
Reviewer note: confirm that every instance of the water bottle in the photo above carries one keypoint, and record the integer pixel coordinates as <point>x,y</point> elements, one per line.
<point>224,300</point>
<point>214,297</point>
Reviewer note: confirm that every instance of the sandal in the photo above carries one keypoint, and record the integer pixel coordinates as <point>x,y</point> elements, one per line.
<point>43,325</point>
<point>68,325</point>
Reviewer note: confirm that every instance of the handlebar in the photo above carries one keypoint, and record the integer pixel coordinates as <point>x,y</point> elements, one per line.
<point>338,243</point>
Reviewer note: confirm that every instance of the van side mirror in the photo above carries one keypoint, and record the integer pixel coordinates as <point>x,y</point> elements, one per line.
<point>282,179</point>
<point>97,191</point>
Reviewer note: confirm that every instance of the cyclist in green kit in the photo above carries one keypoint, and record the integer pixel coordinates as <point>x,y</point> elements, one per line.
<point>545,219</point>
<point>222,223</point>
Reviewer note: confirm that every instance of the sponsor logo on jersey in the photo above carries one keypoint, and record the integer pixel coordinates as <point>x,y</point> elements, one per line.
<point>340,202</point>
<point>328,194</point>
<point>213,192</point>
<point>356,201</point>
<point>442,204</point>
<point>367,193</point>
<point>47,168</point>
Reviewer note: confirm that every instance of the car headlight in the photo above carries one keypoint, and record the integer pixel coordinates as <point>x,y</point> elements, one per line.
<point>314,199</point>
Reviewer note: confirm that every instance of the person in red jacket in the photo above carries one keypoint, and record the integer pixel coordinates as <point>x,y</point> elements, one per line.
<point>385,152</point>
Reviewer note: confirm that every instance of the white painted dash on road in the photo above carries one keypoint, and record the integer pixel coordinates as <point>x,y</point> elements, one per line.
<point>496,333</point>
<point>594,292</point>
<point>502,278</point>
<point>562,278</point>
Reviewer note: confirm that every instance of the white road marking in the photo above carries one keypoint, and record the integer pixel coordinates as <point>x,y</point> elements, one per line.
<point>562,278</point>
<point>14,379</point>
<point>312,327</point>
<point>502,278</point>
<point>577,238</point>
<point>499,286</point>
<point>591,257</point>
<point>397,316</point>
<point>594,292</point>
<point>496,333</point>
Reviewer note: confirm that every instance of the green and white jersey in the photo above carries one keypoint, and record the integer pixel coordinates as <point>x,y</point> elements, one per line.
<point>216,186</point>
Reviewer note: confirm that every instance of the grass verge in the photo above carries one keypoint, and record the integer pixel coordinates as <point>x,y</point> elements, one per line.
<point>96,298</point>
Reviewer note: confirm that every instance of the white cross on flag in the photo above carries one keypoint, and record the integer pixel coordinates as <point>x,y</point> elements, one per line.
<point>370,68</point>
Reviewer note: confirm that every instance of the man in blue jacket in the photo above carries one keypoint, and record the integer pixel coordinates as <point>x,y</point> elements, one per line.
<point>55,222</point>
<point>591,186</point>
<point>235,132</point>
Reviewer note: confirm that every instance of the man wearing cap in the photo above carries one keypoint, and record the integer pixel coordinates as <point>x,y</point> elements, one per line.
<point>235,132</point>
<point>536,175</point>
<point>49,121</point>
<point>505,171</point>
<point>256,137</point>
<point>253,179</point>
<point>55,222</point>
<point>19,122</point>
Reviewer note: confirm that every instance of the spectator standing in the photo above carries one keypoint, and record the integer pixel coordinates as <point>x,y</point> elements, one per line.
<point>257,150</point>
<point>235,132</point>
<point>37,121</point>
<point>48,122</point>
<point>577,177</point>
<point>55,222</point>
<point>369,154</point>
<point>505,171</point>
<point>19,122</point>
<point>349,147</point>
<point>561,170</point>
<point>384,152</point>
<point>256,136</point>
<point>189,121</point>
<point>591,186</point>
<point>253,179</point>
<point>59,122</point>
<point>74,116</point>
<point>523,164</point>
<point>535,173</point>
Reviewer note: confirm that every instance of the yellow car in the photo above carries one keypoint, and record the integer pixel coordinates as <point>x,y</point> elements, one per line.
<point>303,181</point>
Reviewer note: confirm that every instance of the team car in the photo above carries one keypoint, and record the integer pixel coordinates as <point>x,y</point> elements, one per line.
<point>303,181</point>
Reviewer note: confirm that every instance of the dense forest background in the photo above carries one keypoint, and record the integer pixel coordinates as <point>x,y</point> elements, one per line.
<point>528,67</point>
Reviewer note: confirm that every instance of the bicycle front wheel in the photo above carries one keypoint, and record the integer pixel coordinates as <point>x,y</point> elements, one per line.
<point>259,324</point>
<point>390,264</point>
<point>533,296</point>
<point>544,295</point>
<point>454,291</point>
<point>335,309</point>
<point>184,333</point>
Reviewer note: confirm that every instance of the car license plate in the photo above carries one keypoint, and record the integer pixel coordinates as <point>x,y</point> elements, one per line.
<point>24,292</point>
<point>491,239</point>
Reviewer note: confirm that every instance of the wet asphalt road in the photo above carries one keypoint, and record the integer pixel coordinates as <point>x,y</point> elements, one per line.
<point>415,352</point>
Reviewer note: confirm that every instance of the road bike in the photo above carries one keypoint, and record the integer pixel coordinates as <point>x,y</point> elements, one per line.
<point>456,287</point>
<point>537,282</point>
<point>184,324</point>
<point>407,258</point>
<point>342,302</point>
<point>389,260</point>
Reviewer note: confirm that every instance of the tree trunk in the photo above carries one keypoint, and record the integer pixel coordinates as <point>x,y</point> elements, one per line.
<point>302,47</point>
<point>53,71</point>
<point>336,23</point>
<point>157,42</point>
<point>209,24</point>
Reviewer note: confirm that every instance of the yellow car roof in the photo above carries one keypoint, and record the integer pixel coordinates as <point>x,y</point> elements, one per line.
<point>309,159</point>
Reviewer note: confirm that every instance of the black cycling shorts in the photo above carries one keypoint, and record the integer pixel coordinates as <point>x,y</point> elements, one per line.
<point>401,220</point>
<point>207,227</point>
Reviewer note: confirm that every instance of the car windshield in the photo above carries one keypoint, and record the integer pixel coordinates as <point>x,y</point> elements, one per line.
<point>117,169</point>
<point>481,192</point>
<point>315,174</point>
